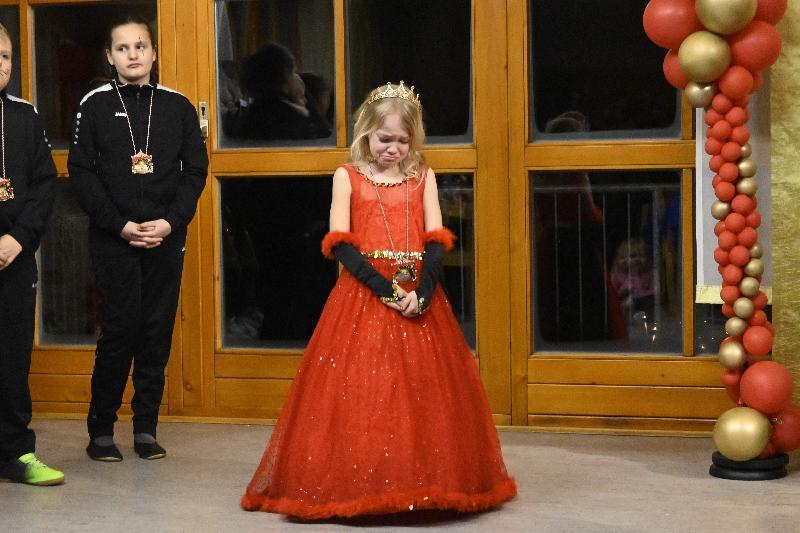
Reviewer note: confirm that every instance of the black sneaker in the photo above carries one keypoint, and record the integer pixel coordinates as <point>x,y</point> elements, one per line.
<point>13,470</point>
<point>149,450</point>
<point>109,454</point>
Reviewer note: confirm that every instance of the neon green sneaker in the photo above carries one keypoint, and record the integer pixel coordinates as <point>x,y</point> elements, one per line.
<point>38,473</point>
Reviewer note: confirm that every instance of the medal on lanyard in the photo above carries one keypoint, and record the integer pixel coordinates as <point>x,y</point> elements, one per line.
<point>141,162</point>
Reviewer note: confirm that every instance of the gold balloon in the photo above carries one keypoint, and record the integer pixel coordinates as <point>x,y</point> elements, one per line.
<point>733,326</point>
<point>747,150</point>
<point>747,186</point>
<point>725,16</point>
<point>732,355</point>
<point>749,287</point>
<point>747,168</point>
<point>704,56</point>
<point>743,307</point>
<point>741,433</point>
<point>720,209</point>
<point>756,251</point>
<point>755,267</point>
<point>699,94</point>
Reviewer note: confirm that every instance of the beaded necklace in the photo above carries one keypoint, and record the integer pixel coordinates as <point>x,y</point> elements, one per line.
<point>405,266</point>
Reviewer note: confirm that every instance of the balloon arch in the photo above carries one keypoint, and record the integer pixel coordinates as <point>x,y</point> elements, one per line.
<point>717,51</point>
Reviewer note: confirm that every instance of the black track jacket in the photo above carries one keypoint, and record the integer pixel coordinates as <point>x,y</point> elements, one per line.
<point>30,168</point>
<point>100,153</point>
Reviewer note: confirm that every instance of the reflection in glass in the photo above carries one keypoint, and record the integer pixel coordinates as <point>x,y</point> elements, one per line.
<point>456,198</point>
<point>275,68</point>
<point>9,17</point>
<point>607,261</point>
<point>71,59</point>
<point>68,297</point>
<point>593,57</point>
<point>709,327</point>
<point>275,281</point>
<point>426,44</point>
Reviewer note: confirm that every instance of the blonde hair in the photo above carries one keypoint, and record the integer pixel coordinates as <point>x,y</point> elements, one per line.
<point>4,33</point>
<point>370,117</point>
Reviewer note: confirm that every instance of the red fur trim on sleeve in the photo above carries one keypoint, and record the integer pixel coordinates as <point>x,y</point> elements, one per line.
<point>335,238</point>
<point>441,235</point>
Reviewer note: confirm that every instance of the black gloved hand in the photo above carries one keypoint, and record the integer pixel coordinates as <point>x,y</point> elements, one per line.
<point>362,270</point>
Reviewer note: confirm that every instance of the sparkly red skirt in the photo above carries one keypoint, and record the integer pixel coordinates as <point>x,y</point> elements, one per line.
<point>386,414</point>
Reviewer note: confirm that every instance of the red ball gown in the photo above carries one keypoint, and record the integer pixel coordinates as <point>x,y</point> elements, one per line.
<point>386,413</point>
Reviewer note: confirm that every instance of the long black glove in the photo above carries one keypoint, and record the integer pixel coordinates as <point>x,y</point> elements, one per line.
<point>431,273</point>
<point>363,271</point>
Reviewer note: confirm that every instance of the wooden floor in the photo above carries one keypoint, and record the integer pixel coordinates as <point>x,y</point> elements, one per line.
<point>566,483</point>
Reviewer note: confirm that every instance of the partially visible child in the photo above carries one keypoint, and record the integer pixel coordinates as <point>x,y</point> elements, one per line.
<point>27,193</point>
<point>387,412</point>
<point>632,275</point>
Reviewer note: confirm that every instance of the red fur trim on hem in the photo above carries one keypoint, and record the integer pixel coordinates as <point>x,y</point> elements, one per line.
<point>335,238</point>
<point>417,500</point>
<point>441,235</point>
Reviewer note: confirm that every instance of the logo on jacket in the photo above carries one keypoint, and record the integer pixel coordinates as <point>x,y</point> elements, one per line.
<point>120,114</point>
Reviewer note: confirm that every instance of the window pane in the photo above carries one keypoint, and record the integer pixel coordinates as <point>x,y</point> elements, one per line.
<point>595,74</point>
<point>68,297</point>
<point>406,42</point>
<point>9,17</point>
<point>274,278</point>
<point>275,70</point>
<point>607,261</point>
<point>70,57</point>
<point>456,198</point>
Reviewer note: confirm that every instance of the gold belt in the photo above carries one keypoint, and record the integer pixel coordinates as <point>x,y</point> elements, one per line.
<point>391,254</point>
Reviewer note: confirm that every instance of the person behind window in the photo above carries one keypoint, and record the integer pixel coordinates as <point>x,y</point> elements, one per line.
<point>277,104</point>
<point>27,193</point>
<point>387,412</point>
<point>138,164</point>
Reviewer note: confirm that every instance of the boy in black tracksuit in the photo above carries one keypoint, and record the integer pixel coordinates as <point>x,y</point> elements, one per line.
<point>138,277</point>
<point>27,191</point>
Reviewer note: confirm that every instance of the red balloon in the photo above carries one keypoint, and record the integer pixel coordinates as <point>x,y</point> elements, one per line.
<point>712,116</point>
<point>721,130</point>
<point>719,227</point>
<point>736,82</point>
<point>716,163</point>
<point>730,151</point>
<point>770,11</point>
<point>672,71</point>
<point>729,294</point>
<point>727,240</point>
<point>743,204</point>
<point>742,102</point>
<point>731,377</point>
<point>748,237</point>
<point>756,47</point>
<point>735,222</point>
<point>716,180</point>
<point>713,147</point>
<point>727,310</point>
<point>721,103</point>
<point>786,429</point>
<point>769,451</point>
<point>760,300</point>
<point>739,256</point>
<point>753,219</point>
<point>740,134</point>
<point>758,81</point>
<point>737,116</point>
<point>766,386</point>
<point>721,256</point>
<point>731,274</point>
<point>758,318</point>
<point>757,340</point>
<point>728,171</point>
<point>668,22</point>
<point>725,191</point>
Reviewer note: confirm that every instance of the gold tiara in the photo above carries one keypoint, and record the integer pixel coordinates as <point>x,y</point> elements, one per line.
<point>390,92</point>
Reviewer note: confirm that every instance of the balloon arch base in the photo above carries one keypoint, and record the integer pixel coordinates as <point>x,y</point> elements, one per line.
<point>753,470</point>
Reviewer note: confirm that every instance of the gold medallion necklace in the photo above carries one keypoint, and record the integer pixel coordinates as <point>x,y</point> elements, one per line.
<point>6,190</point>
<point>405,265</point>
<point>141,162</point>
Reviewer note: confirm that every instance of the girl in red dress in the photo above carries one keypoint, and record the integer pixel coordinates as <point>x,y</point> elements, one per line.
<point>387,412</point>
